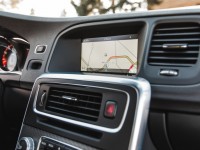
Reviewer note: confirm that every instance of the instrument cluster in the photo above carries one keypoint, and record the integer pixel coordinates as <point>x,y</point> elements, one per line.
<point>13,53</point>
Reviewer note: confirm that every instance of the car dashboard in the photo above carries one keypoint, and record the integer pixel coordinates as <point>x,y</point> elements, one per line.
<point>124,81</point>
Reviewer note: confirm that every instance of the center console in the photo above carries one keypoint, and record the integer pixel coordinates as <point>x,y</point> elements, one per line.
<point>77,111</point>
<point>90,98</point>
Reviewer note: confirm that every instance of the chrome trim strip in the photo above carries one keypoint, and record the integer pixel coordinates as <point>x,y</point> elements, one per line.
<point>69,98</point>
<point>20,40</point>
<point>2,72</point>
<point>42,99</point>
<point>88,125</point>
<point>3,37</point>
<point>56,141</point>
<point>142,88</point>
<point>175,46</point>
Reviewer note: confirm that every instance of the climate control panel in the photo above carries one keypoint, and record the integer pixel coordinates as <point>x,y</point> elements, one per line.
<point>47,143</point>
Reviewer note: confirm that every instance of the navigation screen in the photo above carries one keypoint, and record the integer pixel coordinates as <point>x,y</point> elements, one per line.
<point>116,54</point>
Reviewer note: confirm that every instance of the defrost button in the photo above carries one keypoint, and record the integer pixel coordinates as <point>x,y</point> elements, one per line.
<point>40,49</point>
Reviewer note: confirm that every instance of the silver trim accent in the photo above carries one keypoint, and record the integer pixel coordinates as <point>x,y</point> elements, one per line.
<point>35,51</point>
<point>105,129</point>
<point>169,72</point>
<point>69,98</point>
<point>42,99</point>
<point>29,141</point>
<point>142,88</point>
<point>2,72</point>
<point>20,40</point>
<point>55,141</point>
<point>3,37</point>
<point>176,46</point>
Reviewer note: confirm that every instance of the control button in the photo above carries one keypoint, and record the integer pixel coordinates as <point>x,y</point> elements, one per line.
<point>40,49</point>
<point>51,146</point>
<point>110,109</point>
<point>169,72</point>
<point>44,143</point>
<point>58,148</point>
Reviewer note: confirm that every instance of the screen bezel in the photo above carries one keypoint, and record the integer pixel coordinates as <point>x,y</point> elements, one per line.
<point>110,38</point>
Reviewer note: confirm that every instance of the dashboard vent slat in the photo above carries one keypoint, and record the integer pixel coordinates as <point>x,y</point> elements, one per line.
<point>165,28</point>
<point>172,52</point>
<point>175,34</point>
<point>175,44</point>
<point>74,103</point>
<point>189,46</point>
<point>176,40</point>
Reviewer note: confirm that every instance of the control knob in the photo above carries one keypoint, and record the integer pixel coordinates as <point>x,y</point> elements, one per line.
<point>25,143</point>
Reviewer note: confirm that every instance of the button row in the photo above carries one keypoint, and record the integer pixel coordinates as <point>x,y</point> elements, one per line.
<point>49,144</point>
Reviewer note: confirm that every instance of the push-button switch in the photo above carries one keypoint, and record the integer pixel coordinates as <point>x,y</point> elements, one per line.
<point>110,109</point>
<point>40,49</point>
<point>50,146</point>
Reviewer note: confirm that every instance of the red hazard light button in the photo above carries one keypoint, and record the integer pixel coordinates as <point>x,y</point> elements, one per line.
<point>110,109</point>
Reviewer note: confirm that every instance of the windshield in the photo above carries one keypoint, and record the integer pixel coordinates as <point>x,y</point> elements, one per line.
<point>73,8</point>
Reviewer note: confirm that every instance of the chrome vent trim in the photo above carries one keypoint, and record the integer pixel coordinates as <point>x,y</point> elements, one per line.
<point>175,44</point>
<point>142,88</point>
<point>80,123</point>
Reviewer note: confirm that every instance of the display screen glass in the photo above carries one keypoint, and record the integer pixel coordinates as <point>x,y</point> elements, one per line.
<point>114,54</point>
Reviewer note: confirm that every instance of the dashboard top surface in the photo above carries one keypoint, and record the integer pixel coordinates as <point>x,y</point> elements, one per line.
<point>62,38</point>
<point>139,14</point>
<point>36,29</point>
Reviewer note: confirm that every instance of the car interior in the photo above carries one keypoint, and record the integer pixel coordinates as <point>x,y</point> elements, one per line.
<point>109,82</point>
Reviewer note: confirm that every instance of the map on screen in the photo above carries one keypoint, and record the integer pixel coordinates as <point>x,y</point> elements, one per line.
<point>116,54</point>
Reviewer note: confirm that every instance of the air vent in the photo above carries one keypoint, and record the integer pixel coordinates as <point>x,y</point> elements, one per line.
<point>175,44</point>
<point>74,103</point>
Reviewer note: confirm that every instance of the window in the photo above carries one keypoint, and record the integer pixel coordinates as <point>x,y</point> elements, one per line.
<point>73,8</point>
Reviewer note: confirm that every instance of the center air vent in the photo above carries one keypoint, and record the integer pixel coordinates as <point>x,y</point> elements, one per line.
<point>175,44</point>
<point>79,104</point>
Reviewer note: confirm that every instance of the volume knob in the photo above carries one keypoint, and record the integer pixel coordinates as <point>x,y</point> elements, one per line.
<point>25,143</point>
